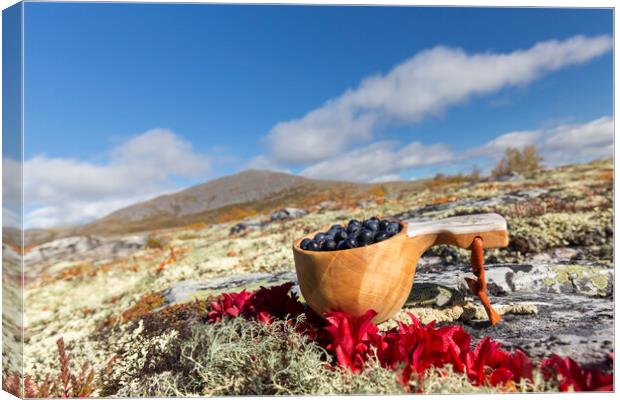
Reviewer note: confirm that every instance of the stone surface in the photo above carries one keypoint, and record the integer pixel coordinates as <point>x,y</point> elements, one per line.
<point>430,212</point>
<point>247,224</point>
<point>288,213</point>
<point>581,314</point>
<point>84,248</point>
<point>187,290</point>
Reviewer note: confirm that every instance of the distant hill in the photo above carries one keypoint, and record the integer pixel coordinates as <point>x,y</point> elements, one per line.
<point>226,198</point>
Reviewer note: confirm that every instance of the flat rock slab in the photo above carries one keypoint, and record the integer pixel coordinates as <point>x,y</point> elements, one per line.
<point>188,290</point>
<point>429,212</point>
<point>574,306</point>
<point>83,248</point>
<point>569,325</point>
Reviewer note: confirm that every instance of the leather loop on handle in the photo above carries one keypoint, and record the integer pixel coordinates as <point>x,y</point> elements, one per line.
<point>478,287</point>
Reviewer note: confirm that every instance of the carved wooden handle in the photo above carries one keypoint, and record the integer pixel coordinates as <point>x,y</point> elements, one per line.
<point>460,231</point>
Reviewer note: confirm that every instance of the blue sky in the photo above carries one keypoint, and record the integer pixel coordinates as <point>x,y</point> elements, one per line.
<point>186,93</point>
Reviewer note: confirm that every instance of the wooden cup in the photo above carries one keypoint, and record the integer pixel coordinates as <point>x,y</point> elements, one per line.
<point>380,276</point>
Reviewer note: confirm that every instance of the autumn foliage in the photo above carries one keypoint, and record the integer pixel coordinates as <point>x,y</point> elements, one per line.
<point>522,161</point>
<point>409,349</point>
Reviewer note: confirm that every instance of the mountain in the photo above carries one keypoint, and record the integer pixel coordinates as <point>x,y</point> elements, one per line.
<point>226,198</point>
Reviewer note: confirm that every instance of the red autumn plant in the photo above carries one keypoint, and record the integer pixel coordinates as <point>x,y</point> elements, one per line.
<point>264,304</point>
<point>411,348</point>
<point>229,304</point>
<point>570,376</point>
<point>65,384</point>
<point>352,339</point>
<point>489,364</point>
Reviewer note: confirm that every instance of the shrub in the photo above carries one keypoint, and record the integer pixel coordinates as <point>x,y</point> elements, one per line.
<point>524,161</point>
<point>378,191</point>
<point>68,383</point>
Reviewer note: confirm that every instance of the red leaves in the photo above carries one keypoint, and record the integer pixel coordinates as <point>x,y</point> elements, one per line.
<point>351,338</point>
<point>265,304</point>
<point>411,348</point>
<point>229,304</point>
<point>419,347</point>
<point>570,376</point>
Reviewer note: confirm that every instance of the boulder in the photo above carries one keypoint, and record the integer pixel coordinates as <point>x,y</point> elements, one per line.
<point>247,224</point>
<point>84,248</point>
<point>288,213</point>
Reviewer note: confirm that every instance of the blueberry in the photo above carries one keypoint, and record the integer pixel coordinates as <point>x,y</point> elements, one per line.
<point>374,219</point>
<point>328,237</point>
<point>340,236</point>
<point>365,237</point>
<point>384,224</point>
<point>393,229</point>
<point>334,231</point>
<point>353,228</point>
<point>304,243</point>
<point>371,224</point>
<point>353,222</point>
<point>312,246</point>
<point>336,227</point>
<point>319,237</point>
<point>328,245</point>
<point>354,233</point>
<point>348,243</point>
<point>381,236</point>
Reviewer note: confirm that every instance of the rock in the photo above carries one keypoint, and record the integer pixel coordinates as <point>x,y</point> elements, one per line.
<point>548,278</point>
<point>329,205</point>
<point>84,248</point>
<point>247,224</point>
<point>551,308</point>
<point>288,213</point>
<point>187,290</point>
<point>431,211</point>
<point>510,177</point>
<point>583,324</point>
<point>366,203</point>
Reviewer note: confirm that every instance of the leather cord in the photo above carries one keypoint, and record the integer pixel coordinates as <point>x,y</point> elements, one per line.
<point>478,287</point>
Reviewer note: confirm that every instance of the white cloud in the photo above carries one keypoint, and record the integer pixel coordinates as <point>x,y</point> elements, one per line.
<point>384,161</point>
<point>387,178</point>
<point>381,160</point>
<point>424,85</point>
<point>567,143</point>
<point>66,191</point>
<point>265,163</point>
<point>497,146</point>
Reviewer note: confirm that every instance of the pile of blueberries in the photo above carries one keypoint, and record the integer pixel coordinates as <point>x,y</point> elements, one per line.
<point>356,234</point>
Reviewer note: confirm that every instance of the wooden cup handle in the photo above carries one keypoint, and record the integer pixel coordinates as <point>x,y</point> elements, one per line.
<point>460,231</point>
<point>475,232</point>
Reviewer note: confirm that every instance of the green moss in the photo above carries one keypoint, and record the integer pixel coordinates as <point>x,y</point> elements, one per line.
<point>593,277</point>
<point>600,281</point>
<point>565,273</point>
<point>431,294</point>
<point>548,281</point>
